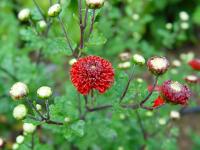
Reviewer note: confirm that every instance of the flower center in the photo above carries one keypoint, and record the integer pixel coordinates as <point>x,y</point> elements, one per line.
<point>93,67</point>
<point>176,86</point>
<point>159,63</point>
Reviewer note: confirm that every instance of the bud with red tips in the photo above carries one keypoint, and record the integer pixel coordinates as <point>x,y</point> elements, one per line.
<point>158,65</point>
<point>174,92</point>
<point>191,79</point>
<point>94,4</point>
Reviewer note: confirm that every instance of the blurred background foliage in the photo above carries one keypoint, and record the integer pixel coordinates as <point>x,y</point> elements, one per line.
<point>147,27</point>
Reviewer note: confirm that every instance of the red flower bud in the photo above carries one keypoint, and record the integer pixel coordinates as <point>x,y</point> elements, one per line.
<point>195,64</point>
<point>158,65</point>
<point>158,102</point>
<point>174,92</point>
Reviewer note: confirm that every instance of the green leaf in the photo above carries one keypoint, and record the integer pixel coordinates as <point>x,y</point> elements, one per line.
<point>78,128</point>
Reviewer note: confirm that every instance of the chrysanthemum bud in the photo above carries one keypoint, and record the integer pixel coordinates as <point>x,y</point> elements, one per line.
<point>162,121</point>
<point>138,59</point>
<point>125,56</point>
<point>24,14</point>
<point>174,115</point>
<point>94,4</point>
<point>72,61</point>
<point>19,112</point>
<point>20,139</point>
<point>176,63</point>
<point>15,146</point>
<point>42,24</point>
<point>44,92</point>
<point>38,107</point>
<point>67,119</point>
<point>184,16</point>
<point>168,26</point>
<point>191,79</point>
<point>124,65</point>
<point>54,10</point>
<point>19,90</point>
<point>29,127</point>
<point>158,65</point>
<point>135,17</point>
<point>184,25</point>
<point>139,80</point>
<point>1,143</point>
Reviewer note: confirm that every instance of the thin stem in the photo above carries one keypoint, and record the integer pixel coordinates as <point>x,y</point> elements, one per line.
<point>65,33</point>
<point>92,22</point>
<point>127,85</point>
<point>139,120</point>
<point>32,141</point>
<point>81,24</point>
<point>39,9</point>
<point>150,93</point>
<point>79,105</point>
<point>86,17</point>
<point>47,109</point>
<point>32,106</point>
<point>98,108</point>
<point>9,74</point>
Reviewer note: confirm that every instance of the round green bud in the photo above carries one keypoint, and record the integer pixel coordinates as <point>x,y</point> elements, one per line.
<point>20,139</point>
<point>138,59</point>
<point>44,92</point>
<point>24,14</point>
<point>54,10</point>
<point>29,127</point>
<point>20,111</point>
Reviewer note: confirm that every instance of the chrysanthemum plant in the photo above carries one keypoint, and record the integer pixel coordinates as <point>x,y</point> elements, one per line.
<point>92,78</point>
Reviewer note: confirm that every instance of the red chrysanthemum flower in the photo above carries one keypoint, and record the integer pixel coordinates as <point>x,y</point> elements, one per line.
<point>92,72</point>
<point>195,64</point>
<point>158,102</point>
<point>175,92</point>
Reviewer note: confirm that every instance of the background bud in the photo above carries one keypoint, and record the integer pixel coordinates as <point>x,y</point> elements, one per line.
<point>174,115</point>
<point>72,61</point>
<point>67,119</point>
<point>29,127</point>
<point>54,10</point>
<point>125,56</point>
<point>15,146</point>
<point>1,143</point>
<point>158,65</point>
<point>44,92</point>
<point>24,14</point>
<point>38,107</point>
<point>19,112</point>
<point>94,4</point>
<point>124,65</point>
<point>42,24</point>
<point>138,59</point>
<point>18,91</point>
<point>191,79</point>
<point>20,139</point>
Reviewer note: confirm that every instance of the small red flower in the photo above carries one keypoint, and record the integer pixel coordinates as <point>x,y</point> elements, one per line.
<point>195,64</point>
<point>92,72</point>
<point>158,102</point>
<point>157,88</point>
<point>175,92</point>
